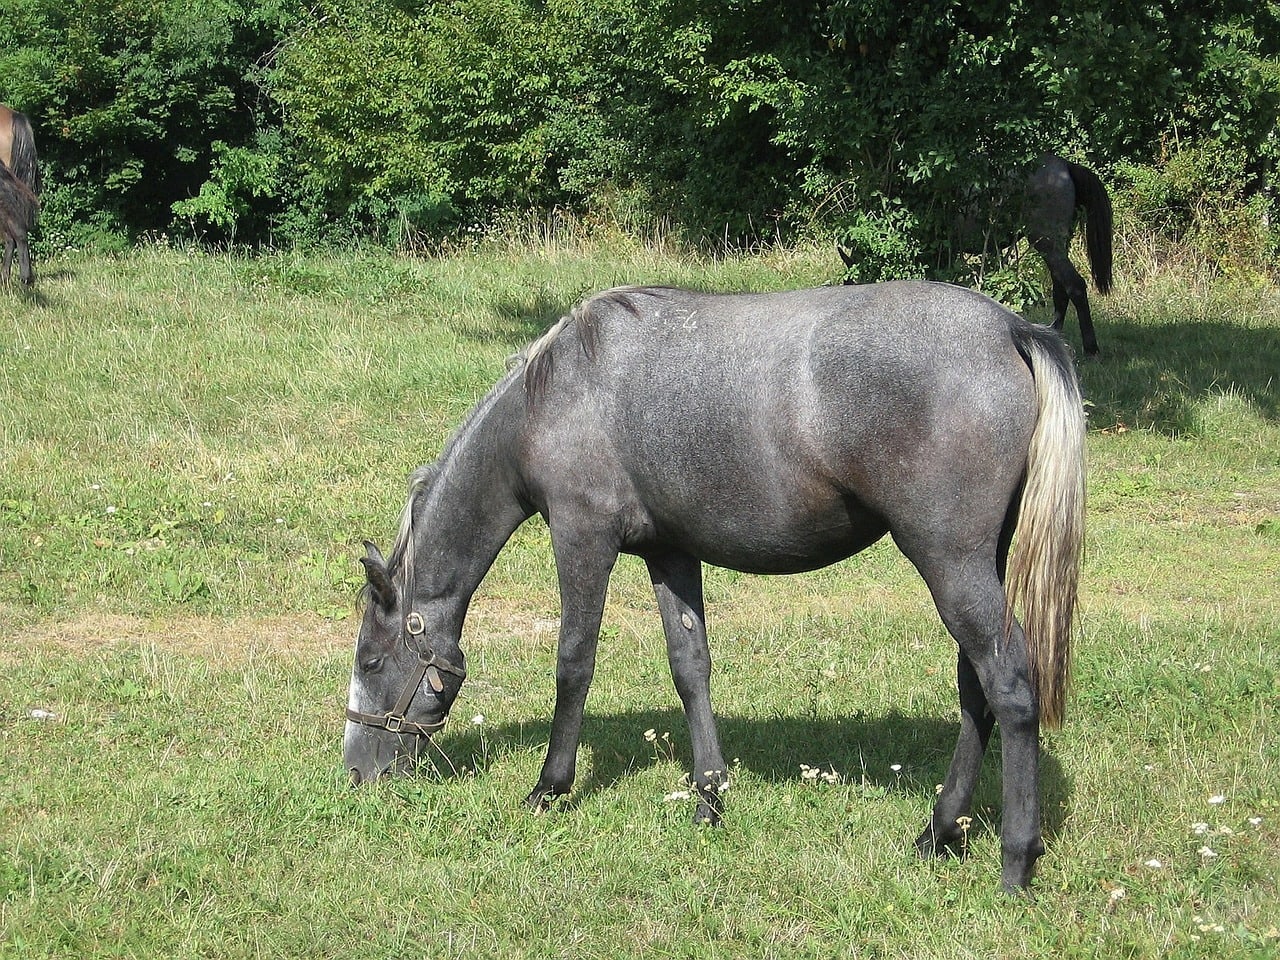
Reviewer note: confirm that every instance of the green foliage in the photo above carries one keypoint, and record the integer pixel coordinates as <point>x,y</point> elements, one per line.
<point>881,245</point>
<point>239,179</point>
<point>128,99</point>
<point>1200,198</point>
<point>256,120</point>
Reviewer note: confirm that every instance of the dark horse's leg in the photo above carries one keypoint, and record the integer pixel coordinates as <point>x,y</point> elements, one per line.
<point>8,258</point>
<point>584,561</point>
<point>1068,285</point>
<point>677,583</point>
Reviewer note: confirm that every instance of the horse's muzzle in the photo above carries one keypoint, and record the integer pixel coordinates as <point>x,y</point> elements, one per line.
<point>371,752</point>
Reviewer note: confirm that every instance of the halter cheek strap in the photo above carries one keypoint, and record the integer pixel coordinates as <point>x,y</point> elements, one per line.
<point>428,667</point>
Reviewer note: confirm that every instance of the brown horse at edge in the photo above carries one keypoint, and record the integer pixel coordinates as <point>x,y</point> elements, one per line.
<point>19,190</point>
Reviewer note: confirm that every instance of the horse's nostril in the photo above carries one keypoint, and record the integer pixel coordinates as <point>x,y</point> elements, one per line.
<point>356,779</point>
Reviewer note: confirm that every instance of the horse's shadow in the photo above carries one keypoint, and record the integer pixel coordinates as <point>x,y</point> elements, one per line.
<point>863,749</point>
<point>1157,377</point>
<point>25,293</point>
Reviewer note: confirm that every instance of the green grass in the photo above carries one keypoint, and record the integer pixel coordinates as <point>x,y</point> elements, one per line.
<point>192,448</point>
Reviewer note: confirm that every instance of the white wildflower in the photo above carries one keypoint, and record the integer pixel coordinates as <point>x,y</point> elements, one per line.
<point>1153,863</point>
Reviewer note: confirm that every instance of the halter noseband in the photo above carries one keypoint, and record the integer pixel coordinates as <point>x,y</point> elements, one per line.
<point>428,667</point>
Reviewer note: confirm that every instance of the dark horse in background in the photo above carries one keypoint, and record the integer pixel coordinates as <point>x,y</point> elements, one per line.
<point>19,189</point>
<point>768,433</point>
<point>1044,211</point>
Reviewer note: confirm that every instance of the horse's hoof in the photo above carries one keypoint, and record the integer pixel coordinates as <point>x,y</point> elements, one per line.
<point>706,815</point>
<point>540,800</point>
<point>931,845</point>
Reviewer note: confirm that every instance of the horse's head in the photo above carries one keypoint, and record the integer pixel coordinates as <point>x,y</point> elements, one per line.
<point>406,675</point>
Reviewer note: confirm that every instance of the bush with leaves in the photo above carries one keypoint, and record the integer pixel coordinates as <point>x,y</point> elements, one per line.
<point>129,97</point>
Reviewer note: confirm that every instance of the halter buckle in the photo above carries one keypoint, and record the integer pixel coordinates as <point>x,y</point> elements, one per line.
<point>394,724</point>
<point>414,625</point>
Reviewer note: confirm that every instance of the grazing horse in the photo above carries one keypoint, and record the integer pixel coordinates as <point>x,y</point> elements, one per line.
<point>768,433</point>
<point>1055,190</point>
<point>1045,215</point>
<point>19,190</point>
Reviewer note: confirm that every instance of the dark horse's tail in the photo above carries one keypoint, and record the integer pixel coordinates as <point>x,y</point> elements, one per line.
<point>1044,568</point>
<point>1092,195</point>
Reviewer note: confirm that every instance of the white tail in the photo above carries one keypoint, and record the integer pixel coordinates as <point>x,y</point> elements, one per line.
<point>1044,568</point>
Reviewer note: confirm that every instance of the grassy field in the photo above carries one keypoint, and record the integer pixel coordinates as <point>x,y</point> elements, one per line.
<point>192,448</point>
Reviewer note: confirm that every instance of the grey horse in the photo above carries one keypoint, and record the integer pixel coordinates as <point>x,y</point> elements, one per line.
<point>769,433</point>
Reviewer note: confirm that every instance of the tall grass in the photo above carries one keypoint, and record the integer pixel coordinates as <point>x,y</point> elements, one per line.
<point>191,449</point>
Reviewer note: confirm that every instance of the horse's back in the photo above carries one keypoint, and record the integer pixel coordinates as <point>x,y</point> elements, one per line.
<point>1050,201</point>
<point>782,431</point>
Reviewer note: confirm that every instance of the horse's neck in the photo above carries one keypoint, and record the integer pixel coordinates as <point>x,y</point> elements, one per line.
<point>471,507</point>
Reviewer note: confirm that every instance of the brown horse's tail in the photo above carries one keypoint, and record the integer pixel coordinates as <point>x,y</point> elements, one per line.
<point>1043,571</point>
<point>1093,196</point>
<point>24,195</point>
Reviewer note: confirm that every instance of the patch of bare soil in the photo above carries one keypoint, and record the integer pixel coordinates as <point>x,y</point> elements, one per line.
<point>303,636</point>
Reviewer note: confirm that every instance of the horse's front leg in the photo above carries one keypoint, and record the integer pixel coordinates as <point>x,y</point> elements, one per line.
<point>584,562</point>
<point>8,259</point>
<point>677,583</point>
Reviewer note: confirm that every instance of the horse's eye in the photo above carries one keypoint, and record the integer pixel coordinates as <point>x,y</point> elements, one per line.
<point>371,664</point>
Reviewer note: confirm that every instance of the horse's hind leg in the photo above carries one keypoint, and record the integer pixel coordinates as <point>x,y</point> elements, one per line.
<point>976,722</point>
<point>8,259</point>
<point>1068,285</point>
<point>677,583</point>
<point>1060,303</point>
<point>24,262</point>
<point>972,607</point>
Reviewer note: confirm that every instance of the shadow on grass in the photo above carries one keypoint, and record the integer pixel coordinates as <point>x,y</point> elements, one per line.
<point>1155,375</point>
<point>520,319</point>
<point>862,748</point>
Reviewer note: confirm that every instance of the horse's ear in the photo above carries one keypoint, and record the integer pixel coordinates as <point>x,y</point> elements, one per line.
<point>380,585</point>
<point>845,255</point>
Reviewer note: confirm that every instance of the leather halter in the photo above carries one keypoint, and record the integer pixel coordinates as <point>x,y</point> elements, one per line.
<point>428,667</point>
